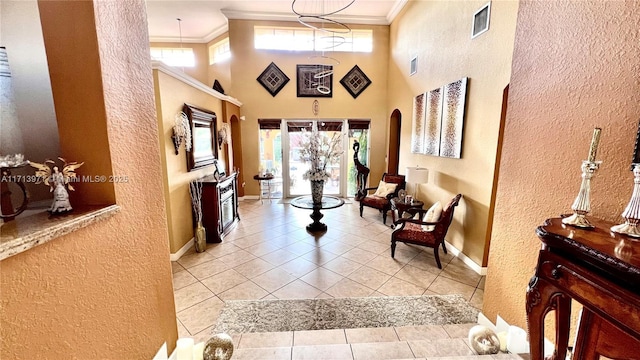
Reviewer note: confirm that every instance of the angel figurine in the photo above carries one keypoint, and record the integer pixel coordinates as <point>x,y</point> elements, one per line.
<point>57,182</point>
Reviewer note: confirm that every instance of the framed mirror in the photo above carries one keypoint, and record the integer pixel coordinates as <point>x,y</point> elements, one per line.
<point>203,137</point>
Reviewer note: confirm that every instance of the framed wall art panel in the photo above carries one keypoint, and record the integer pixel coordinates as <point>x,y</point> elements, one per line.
<point>273,79</point>
<point>454,103</point>
<point>433,118</point>
<point>355,82</point>
<point>417,125</point>
<point>314,80</point>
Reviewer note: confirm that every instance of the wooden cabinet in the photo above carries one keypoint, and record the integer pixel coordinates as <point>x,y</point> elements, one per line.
<point>600,270</point>
<point>219,206</point>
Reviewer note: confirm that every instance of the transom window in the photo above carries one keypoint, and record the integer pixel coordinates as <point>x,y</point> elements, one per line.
<point>305,39</point>
<point>174,56</point>
<point>219,51</point>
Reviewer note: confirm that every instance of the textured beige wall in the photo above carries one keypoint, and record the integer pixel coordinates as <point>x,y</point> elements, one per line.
<point>102,292</point>
<point>248,63</point>
<point>171,94</point>
<point>438,32</point>
<point>74,101</point>
<point>575,66</point>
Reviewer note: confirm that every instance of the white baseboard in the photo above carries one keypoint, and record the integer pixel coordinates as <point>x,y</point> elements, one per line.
<point>184,249</point>
<point>249,197</point>
<point>472,264</point>
<point>162,353</point>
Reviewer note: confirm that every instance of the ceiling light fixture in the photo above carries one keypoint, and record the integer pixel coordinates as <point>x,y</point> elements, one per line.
<point>180,32</point>
<point>318,11</point>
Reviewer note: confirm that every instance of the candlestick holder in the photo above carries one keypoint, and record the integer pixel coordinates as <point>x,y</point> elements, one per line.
<point>582,204</point>
<point>631,213</point>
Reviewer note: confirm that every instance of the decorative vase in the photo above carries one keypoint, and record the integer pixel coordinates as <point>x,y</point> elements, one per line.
<point>317,186</point>
<point>483,340</point>
<point>219,347</point>
<point>201,238</point>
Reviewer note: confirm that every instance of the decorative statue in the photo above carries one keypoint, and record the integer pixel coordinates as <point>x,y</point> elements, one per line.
<point>57,182</point>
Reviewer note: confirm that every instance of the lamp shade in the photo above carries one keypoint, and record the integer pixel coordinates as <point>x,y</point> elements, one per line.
<point>417,175</point>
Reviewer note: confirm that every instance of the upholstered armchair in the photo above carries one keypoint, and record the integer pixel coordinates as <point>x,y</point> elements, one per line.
<point>428,230</point>
<point>381,199</point>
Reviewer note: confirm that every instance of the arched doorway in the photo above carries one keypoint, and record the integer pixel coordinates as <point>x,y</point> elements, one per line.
<point>393,155</point>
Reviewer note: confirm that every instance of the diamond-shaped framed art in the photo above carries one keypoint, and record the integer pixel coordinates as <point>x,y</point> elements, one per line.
<point>273,79</point>
<point>356,81</point>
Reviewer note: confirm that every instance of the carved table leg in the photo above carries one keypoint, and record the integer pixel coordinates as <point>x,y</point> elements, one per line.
<point>543,297</point>
<point>316,226</point>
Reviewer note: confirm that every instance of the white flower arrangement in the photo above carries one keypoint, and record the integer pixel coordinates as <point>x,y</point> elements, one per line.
<point>181,131</point>
<point>319,151</point>
<point>10,161</point>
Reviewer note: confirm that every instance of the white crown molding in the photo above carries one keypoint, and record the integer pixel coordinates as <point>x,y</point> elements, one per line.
<point>157,65</point>
<point>259,15</point>
<point>269,16</point>
<point>395,10</point>
<point>216,32</point>
<point>175,39</point>
<point>191,40</point>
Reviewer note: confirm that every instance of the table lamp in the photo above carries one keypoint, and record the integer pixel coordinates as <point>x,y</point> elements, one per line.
<point>417,175</point>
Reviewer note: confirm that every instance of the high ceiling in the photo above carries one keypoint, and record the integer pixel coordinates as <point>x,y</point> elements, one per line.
<point>201,21</point>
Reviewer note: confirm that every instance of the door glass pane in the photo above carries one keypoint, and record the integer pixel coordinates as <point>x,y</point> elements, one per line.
<point>297,167</point>
<point>271,158</point>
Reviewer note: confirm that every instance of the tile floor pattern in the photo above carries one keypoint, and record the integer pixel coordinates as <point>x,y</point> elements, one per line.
<point>270,255</point>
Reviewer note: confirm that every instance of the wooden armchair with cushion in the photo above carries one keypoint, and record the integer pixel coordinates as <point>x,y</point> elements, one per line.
<point>428,230</point>
<point>386,190</point>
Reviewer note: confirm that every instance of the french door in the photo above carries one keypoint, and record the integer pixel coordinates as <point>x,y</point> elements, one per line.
<point>279,142</point>
<point>294,167</point>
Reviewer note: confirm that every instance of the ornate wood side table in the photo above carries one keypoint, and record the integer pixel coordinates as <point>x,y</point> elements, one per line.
<point>600,270</point>
<point>328,202</point>
<point>401,206</point>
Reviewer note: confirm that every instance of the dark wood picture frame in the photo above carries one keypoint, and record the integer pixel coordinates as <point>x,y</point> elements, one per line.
<point>204,151</point>
<point>307,83</point>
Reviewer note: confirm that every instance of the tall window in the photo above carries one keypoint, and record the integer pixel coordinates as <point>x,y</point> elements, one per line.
<point>354,41</point>
<point>282,38</point>
<point>305,39</point>
<point>271,153</point>
<point>174,56</point>
<point>219,51</point>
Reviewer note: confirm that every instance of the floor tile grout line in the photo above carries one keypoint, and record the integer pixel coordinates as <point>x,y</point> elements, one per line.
<point>319,245</point>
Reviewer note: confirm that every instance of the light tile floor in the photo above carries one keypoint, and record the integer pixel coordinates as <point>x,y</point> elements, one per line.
<point>270,255</point>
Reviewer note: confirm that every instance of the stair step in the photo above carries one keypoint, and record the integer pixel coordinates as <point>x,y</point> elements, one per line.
<point>432,342</point>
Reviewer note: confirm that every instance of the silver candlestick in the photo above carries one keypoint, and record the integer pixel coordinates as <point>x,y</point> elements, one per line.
<point>582,204</point>
<point>631,213</point>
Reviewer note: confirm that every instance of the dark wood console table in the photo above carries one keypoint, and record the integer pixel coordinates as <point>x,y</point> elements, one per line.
<point>600,270</point>
<point>219,206</point>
